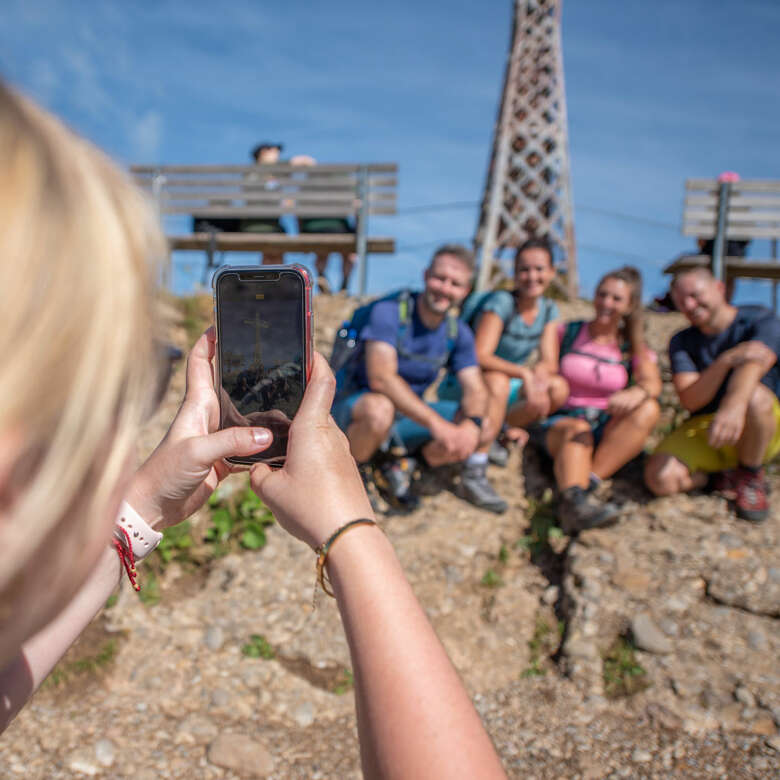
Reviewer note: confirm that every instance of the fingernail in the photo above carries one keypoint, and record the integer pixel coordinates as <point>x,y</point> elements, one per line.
<point>261,435</point>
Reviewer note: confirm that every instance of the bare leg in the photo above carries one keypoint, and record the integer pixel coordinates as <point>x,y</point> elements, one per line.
<point>498,387</point>
<point>759,428</point>
<point>665,475</point>
<point>320,264</point>
<point>570,442</point>
<point>624,437</point>
<point>372,418</point>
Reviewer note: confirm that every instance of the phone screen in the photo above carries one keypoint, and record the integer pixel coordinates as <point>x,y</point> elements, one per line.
<point>261,328</point>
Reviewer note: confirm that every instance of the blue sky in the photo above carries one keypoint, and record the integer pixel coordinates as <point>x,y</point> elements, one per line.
<point>657,92</point>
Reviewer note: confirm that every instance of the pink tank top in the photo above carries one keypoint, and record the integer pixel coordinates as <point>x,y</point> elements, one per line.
<point>592,381</point>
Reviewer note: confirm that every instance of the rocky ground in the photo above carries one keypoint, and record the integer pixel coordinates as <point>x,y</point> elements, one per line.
<point>645,650</point>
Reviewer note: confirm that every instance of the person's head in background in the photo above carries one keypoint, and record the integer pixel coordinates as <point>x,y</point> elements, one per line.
<point>534,269</point>
<point>618,306</point>
<point>702,299</point>
<point>448,278</point>
<point>79,369</point>
<point>266,153</point>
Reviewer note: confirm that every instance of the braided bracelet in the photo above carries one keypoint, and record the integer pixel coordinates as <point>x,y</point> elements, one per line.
<point>133,540</point>
<point>322,554</point>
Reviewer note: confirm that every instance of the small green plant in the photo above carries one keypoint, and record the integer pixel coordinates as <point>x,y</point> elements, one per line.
<point>344,683</point>
<point>623,674</point>
<point>258,647</point>
<point>176,542</point>
<point>112,600</point>
<point>239,520</point>
<point>91,664</point>
<point>542,526</point>
<point>503,554</point>
<point>542,644</point>
<point>150,589</point>
<point>491,579</point>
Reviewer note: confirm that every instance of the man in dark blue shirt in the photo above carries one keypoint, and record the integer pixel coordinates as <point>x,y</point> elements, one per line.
<point>386,392</point>
<point>726,374</point>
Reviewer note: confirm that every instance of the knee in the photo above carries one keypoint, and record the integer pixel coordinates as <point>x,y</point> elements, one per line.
<point>559,391</point>
<point>578,430</point>
<point>375,411</point>
<point>663,474</point>
<point>497,383</point>
<point>761,405</point>
<point>647,413</point>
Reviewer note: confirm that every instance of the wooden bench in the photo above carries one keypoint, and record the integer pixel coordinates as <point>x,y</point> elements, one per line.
<point>722,211</point>
<point>244,192</point>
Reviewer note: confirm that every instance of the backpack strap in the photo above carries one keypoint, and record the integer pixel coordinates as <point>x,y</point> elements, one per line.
<point>570,333</point>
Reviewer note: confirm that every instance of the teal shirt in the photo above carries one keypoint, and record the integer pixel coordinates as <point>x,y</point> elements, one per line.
<point>518,340</point>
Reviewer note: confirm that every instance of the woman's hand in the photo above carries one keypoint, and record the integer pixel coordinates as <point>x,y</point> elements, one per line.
<point>625,401</point>
<point>319,487</point>
<point>188,463</point>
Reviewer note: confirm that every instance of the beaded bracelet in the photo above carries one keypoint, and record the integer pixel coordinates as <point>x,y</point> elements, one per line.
<point>322,554</point>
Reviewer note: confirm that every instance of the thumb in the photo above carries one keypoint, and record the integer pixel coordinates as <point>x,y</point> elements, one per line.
<point>229,442</point>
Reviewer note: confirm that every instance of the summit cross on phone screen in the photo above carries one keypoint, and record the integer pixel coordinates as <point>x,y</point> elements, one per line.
<point>262,339</point>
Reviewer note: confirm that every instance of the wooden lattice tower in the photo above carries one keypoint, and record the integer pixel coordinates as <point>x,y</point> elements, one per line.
<point>527,191</point>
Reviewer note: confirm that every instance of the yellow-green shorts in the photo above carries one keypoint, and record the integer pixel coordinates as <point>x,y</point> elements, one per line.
<point>689,444</point>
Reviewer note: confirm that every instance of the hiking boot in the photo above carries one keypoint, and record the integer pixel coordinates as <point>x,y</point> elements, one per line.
<point>752,494</point>
<point>475,488</point>
<point>579,510</point>
<point>498,455</point>
<point>393,478</point>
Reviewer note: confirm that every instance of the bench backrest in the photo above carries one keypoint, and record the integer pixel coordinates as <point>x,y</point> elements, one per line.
<point>753,209</point>
<point>271,190</point>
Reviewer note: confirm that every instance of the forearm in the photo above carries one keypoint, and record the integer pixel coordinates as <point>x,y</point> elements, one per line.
<point>703,390</point>
<point>40,654</point>
<point>405,400</point>
<point>744,380</point>
<point>494,363</point>
<point>414,716</point>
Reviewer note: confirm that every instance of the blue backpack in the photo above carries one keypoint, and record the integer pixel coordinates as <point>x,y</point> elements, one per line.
<point>348,347</point>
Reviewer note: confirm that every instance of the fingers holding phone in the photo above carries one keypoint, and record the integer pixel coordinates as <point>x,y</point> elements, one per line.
<point>319,488</point>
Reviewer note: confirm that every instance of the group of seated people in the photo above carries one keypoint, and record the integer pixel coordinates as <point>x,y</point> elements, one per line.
<point>589,401</point>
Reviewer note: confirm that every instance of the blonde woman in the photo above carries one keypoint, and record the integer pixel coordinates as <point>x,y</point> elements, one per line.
<point>80,373</point>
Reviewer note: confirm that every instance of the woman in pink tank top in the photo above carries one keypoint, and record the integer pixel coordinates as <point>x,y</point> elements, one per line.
<point>613,382</point>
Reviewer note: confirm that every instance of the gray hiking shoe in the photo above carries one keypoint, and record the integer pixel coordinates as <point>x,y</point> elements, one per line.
<point>579,510</point>
<point>475,488</point>
<point>498,454</point>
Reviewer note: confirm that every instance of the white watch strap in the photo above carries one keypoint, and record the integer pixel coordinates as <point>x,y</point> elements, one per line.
<point>143,538</point>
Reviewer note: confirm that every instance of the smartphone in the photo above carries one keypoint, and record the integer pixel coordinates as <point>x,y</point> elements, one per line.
<point>264,349</point>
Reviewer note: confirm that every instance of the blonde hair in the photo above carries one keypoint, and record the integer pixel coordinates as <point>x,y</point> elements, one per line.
<point>78,243</point>
<point>632,328</point>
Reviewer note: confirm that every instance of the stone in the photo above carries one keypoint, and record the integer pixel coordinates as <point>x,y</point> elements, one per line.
<point>241,754</point>
<point>774,743</point>
<point>648,636</point>
<point>763,725</point>
<point>105,752</point>
<point>214,638</point>
<point>757,640</point>
<point>304,714</point>
<point>744,696</point>
<point>640,756</point>
<point>550,595</point>
<point>730,541</point>
<point>634,581</point>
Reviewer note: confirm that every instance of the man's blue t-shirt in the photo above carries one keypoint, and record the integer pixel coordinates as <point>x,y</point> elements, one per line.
<point>691,350</point>
<point>518,340</point>
<point>384,325</point>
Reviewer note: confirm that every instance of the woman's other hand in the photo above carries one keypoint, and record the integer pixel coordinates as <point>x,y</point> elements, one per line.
<point>319,488</point>
<point>625,401</point>
<point>188,463</point>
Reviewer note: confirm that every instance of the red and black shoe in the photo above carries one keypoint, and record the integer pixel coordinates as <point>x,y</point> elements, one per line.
<point>752,494</point>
